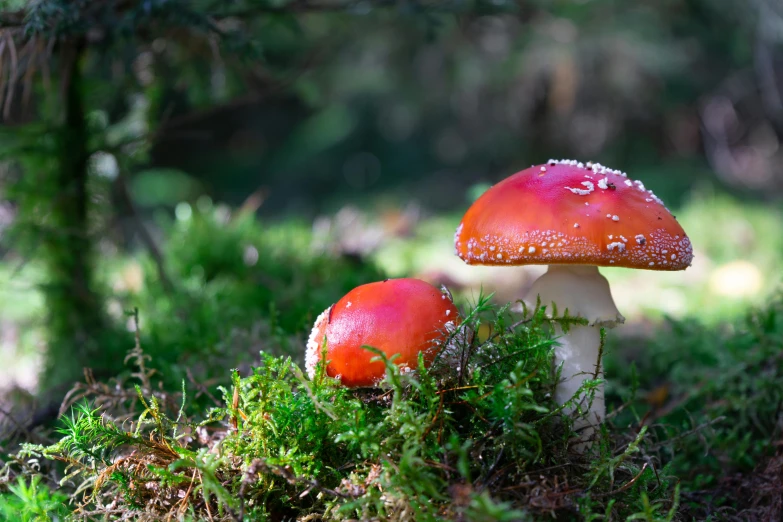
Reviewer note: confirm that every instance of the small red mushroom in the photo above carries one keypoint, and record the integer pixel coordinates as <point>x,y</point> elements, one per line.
<point>396,316</point>
<point>574,217</point>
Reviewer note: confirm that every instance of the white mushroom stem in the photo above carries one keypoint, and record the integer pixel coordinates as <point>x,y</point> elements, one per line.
<point>585,293</point>
<point>577,355</point>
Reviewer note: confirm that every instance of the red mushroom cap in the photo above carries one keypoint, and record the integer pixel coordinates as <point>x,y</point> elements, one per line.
<point>567,212</point>
<point>404,316</point>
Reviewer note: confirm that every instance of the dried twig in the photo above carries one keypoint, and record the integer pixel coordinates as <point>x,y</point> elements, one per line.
<point>688,433</point>
<point>285,472</point>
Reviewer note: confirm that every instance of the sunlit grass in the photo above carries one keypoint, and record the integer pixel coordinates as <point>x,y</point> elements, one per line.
<point>738,263</point>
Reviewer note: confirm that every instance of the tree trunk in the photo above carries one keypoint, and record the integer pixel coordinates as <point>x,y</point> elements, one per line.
<point>76,313</point>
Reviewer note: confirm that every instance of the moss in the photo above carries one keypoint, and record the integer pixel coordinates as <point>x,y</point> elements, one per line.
<point>31,501</point>
<point>712,400</point>
<point>476,436</point>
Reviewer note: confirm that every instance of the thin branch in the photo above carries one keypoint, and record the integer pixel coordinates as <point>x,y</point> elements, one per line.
<point>146,237</point>
<point>201,387</point>
<point>688,433</point>
<point>12,76</point>
<point>624,486</point>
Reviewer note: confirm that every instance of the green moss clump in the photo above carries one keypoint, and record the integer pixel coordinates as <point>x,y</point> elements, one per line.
<point>474,437</point>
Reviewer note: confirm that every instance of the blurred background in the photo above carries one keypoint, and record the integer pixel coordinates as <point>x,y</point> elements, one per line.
<point>232,168</point>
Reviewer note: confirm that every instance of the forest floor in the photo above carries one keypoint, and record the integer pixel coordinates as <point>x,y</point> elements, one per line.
<point>212,418</point>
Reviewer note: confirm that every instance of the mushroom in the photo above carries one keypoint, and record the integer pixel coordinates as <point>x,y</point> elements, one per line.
<point>397,316</point>
<point>574,217</point>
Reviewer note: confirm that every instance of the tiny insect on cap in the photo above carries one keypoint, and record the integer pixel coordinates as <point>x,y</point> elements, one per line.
<point>568,212</point>
<point>397,316</point>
